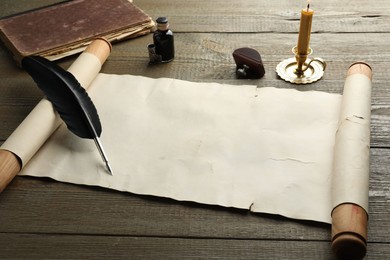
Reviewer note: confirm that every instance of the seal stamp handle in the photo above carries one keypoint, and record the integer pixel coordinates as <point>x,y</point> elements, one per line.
<point>248,63</point>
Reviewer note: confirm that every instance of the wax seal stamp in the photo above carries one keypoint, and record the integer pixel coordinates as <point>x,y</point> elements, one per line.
<point>248,64</point>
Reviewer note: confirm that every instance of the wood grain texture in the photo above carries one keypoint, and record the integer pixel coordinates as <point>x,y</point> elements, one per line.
<point>10,166</point>
<point>54,246</point>
<point>42,218</point>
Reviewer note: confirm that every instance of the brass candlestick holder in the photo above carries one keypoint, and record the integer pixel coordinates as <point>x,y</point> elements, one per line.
<point>301,69</point>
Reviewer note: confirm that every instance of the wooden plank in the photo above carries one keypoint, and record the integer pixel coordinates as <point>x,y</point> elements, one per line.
<point>81,247</point>
<point>53,246</point>
<point>253,16</point>
<point>265,16</point>
<point>90,210</point>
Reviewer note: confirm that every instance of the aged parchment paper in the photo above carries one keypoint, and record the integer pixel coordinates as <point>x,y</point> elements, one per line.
<point>264,149</point>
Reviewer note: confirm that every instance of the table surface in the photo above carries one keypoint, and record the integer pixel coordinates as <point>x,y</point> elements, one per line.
<point>42,218</point>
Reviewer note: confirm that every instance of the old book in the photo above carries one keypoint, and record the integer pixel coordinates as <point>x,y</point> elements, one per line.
<point>66,28</point>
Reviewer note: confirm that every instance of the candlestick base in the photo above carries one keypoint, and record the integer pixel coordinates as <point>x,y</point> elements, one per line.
<point>310,71</point>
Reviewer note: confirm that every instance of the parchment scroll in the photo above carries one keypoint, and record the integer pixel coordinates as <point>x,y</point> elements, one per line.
<point>264,149</point>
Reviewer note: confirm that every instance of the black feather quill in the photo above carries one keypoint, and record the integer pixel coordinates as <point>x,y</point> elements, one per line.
<point>68,97</point>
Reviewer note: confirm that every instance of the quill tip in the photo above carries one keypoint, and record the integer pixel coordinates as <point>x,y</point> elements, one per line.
<point>103,155</point>
<point>109,169</point>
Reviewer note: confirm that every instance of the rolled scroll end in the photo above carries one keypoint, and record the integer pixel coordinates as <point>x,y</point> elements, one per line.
<point>349,231</point>
<point>360,67</point>
<point>349,220</point>
<point>101,48</point>
<point>85,69</point>
<point>10,166</point>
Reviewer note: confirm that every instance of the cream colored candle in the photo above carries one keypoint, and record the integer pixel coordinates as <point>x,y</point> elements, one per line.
<point>305,30</point>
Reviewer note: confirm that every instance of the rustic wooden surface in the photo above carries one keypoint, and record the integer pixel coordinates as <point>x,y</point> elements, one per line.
<point>41,218</point>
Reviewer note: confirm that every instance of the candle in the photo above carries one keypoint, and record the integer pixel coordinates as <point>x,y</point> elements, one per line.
<point>304,30</point>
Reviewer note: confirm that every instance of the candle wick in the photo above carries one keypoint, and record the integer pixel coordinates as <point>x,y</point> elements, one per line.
<point>308,7</point>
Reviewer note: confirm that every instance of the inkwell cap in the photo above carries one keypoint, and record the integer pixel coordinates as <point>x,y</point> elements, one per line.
<point>162,23</point>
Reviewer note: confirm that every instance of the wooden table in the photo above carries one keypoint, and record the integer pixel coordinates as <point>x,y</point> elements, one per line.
<point>42,218</point>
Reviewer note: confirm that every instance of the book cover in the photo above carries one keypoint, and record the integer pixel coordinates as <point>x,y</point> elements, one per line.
<point>66,28</point>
